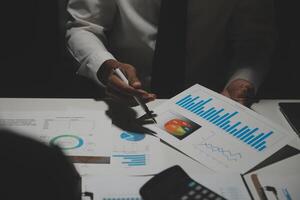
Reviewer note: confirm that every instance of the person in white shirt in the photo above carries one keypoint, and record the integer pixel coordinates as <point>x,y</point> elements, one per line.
<point>229,44</point>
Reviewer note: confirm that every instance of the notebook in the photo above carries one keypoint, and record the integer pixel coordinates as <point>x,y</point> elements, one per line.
<point>291,111</point>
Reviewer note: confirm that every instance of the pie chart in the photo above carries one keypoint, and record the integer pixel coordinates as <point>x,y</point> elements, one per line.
<point>67,142</point>
<point>133,137</point>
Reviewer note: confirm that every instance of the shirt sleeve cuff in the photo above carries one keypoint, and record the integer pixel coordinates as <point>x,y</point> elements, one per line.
<point>247,74</point>
<point>92,64</point>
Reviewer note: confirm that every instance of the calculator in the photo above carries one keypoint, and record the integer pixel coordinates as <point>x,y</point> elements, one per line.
<point>175,184</point>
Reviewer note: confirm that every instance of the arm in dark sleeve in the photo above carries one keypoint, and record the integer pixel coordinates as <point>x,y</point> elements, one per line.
<point>252,36</point>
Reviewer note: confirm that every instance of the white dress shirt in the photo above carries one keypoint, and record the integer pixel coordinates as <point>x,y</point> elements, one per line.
<point>126,30</point>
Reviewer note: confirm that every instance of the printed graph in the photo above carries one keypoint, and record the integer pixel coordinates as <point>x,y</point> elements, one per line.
<point>227,121</point>
<point>132,160</point>
<point>132,137</point>
<point>67,142</point>
<point>219,150</point>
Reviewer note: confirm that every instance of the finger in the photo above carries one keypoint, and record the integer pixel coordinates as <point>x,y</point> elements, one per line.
<point>247,98</point>
<point>241,93</point>
<point>149,97</point>
<point>126,99</point>
<point>115,93</point>
<point>146,97</point>
<point>244,101</point>
<point>116,83</point>
<point>132,77</point>
<point>225,93</point>
<point>120,98</point>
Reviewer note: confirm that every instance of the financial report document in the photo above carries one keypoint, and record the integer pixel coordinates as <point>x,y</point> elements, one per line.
<point>76,133</point>
<point>135,153</point>
<point>132,154</point>
<point>216,131</point>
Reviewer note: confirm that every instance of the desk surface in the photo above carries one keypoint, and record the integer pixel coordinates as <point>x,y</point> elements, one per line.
<point>268,108</point>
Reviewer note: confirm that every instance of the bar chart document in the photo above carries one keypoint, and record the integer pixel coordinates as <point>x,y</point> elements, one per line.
<point>217,131</point>
<point>76,133</point>
<point>135,153</point>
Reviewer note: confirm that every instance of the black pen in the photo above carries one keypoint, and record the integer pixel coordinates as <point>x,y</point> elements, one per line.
<point>137,99</point>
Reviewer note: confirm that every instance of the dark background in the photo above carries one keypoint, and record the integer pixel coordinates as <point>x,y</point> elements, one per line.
<point>34,59</point>
<point>35,63</point>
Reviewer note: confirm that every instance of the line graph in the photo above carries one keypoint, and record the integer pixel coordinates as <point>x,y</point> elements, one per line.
<point>225,153</point>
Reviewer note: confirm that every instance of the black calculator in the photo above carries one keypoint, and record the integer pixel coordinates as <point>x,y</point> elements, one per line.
<point>175,184</point>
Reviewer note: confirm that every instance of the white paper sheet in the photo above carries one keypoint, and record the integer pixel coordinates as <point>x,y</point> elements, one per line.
<point>114,187</point>
<point>230,186</point>
<point>283,176</point>
<point>77,133</point>
<point>218,132</point>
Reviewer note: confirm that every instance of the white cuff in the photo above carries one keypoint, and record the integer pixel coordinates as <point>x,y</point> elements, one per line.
<point>247,74</point>
<point>92,64</point>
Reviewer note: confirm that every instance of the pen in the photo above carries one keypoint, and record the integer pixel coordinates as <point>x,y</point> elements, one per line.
<point>259,189</point>
<point>137,99</point>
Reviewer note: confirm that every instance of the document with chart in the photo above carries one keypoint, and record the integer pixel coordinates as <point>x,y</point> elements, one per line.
<point>77,133</point>
<point>135,153</point>
<point>216,131</point>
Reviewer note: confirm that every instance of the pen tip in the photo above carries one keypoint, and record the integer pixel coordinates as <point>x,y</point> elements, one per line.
<point>154,120</point>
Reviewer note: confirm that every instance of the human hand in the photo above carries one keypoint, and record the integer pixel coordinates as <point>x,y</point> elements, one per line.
<point>241,91</point>
<point>118,89</point>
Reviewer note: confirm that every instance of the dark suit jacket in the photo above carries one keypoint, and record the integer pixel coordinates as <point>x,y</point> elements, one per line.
<point>227,36</point>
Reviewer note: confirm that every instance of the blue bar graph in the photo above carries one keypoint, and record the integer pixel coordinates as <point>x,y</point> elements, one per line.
<point>240,131</point>
<point>249,138</point>
<point>232,127</point>
<point>182,101</point>
<point>243,133</point>
<point>260,145</point>
<point>200,112</point>
<point>245,137</point>
<point>211,118</point>
<point>226,118</point>
<point>262,148</point>
<point>220,119</point>
<point>262,139</point>
<point>194,107</point>
<point>233,131</point>
<point>207,116</point>
<point>226,127</point>
<point>256,138</point>
<point>206,112</point>
<point>226,121</point>
<point>132,160</point>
